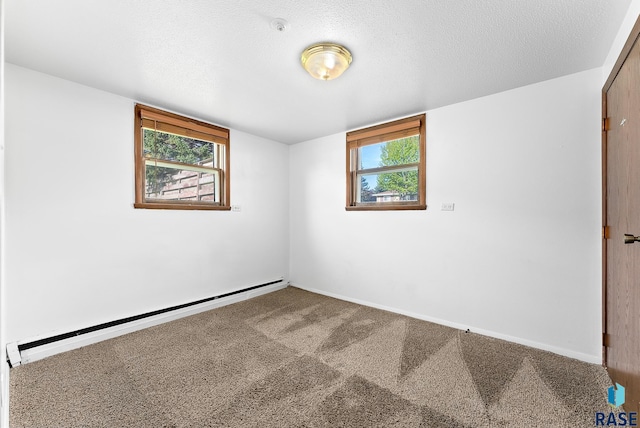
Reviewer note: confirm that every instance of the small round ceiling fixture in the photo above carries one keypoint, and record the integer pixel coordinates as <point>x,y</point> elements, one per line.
<point>326,61</point>
<point>280,25</point>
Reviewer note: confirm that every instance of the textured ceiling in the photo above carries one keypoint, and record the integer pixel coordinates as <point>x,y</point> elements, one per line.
<point>220,60</point>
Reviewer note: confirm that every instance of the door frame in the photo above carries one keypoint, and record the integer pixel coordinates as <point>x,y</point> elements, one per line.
<point>631,40</point>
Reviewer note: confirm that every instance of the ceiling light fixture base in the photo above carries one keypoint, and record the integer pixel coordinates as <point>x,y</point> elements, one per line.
<point>279,25</point>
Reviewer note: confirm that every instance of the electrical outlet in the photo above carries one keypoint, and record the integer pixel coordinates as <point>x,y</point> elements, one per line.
<point>447,206</point>
<point>236,208</point>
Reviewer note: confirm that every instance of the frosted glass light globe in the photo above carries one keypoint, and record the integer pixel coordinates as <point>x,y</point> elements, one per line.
<point>326,61</point>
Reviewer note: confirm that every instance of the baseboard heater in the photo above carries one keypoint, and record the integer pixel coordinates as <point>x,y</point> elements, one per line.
<point>14,349</point>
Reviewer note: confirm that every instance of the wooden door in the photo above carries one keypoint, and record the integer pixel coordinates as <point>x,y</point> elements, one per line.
<point>622,216</point>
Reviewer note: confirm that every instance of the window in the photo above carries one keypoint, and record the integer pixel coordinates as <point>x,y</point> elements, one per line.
<point>181,163</point>
<point>386,166</point>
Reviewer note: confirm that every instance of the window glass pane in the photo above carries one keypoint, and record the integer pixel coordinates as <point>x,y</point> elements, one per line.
<point>367,184</point>
<point>179,184</point>
<point>394,152</point>
<point>398,185</point>
<point>369,156</point>
<point>395,186</point>
<point>161,145</point>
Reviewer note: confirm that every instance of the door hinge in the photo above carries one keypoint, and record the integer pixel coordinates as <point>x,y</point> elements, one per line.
<point>606,232</point>
<point>605,340</point>
<point>605,123</point>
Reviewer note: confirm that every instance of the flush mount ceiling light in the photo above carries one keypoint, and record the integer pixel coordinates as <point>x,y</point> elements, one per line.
<point>325,61</point>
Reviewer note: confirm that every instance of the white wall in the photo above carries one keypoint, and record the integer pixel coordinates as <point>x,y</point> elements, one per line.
<point>4,368</point>
<point>520,256</point>
<point>79,254</point>
<point>621,38</point>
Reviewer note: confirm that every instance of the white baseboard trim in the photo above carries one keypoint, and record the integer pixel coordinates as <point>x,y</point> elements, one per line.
<point>44,351</point>
<point>593,359</point>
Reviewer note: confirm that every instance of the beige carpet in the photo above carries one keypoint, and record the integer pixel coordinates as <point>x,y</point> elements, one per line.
<point>298,359</point>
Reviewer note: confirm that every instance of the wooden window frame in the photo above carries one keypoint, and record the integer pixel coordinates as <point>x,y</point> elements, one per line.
<point>377,134</point>
<point>187,127</point>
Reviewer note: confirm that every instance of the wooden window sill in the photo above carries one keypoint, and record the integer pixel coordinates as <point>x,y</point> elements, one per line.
<point>386,207</point>
<point>159,206</point>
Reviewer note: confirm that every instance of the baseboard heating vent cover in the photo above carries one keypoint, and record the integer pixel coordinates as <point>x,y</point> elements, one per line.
<point>24,352</point>
<point>13,354</point>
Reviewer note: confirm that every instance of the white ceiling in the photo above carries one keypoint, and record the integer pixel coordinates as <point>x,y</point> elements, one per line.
<point>220,60</point>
